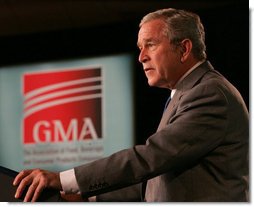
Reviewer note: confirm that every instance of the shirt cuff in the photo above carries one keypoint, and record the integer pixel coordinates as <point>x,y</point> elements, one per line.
<point>69,182</point>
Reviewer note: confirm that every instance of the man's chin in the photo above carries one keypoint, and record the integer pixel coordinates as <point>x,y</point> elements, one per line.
<point>157,84</point>
<point>152,84</point>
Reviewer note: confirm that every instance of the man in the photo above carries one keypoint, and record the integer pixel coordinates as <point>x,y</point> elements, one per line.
<point>200,150</point>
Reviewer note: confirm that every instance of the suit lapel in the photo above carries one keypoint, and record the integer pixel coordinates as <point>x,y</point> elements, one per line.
<point>185,85</point>
<point>169,110</point>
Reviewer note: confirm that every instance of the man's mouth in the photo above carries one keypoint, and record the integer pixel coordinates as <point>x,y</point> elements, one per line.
<point>147,69</point>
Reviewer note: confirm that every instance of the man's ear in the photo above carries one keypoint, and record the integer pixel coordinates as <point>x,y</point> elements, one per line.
<point>185,49</point>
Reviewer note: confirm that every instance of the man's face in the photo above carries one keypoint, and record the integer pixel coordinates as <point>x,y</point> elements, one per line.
<point>160,59</point>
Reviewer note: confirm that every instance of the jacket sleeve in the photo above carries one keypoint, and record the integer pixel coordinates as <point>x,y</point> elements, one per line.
<point>197,127</point>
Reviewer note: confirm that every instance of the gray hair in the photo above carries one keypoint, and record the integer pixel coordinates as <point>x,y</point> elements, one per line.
<point>180,25</point>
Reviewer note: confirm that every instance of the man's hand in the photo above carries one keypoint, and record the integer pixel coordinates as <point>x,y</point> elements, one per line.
<point>36,180</point>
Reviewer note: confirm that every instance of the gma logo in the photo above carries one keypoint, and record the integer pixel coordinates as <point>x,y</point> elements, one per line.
<point>54,131</point>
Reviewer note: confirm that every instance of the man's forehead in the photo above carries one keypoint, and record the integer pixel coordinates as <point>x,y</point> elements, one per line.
<point>148,34</point>
<point>155,24</point>
<point>151,27</point>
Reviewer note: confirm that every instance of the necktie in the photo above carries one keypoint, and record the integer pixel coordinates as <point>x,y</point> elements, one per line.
<point>167,102</point>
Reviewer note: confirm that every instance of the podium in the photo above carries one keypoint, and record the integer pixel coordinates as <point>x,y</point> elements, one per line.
<point>7,190</point>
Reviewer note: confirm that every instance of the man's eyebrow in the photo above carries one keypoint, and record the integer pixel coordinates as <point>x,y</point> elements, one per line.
<point>147,41</point>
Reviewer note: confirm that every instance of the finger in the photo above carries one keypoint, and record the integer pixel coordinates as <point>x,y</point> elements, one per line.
<point>30,191</point>
<point>20,176</point>
<point>25,182</point>
<point>38,191</point>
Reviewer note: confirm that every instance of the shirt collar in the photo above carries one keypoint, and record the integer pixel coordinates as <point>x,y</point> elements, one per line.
<point>185,74</point>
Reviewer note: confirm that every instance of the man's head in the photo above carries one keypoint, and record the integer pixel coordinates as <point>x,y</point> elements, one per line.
<point>170,42</point>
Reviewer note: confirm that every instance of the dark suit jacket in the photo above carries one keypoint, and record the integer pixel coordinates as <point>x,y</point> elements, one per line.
<point>199,152</point>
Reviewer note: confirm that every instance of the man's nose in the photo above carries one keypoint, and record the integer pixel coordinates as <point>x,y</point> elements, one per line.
<point>143,57</point>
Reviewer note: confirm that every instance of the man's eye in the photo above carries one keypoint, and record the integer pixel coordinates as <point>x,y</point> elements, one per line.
<point>150,45</point>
